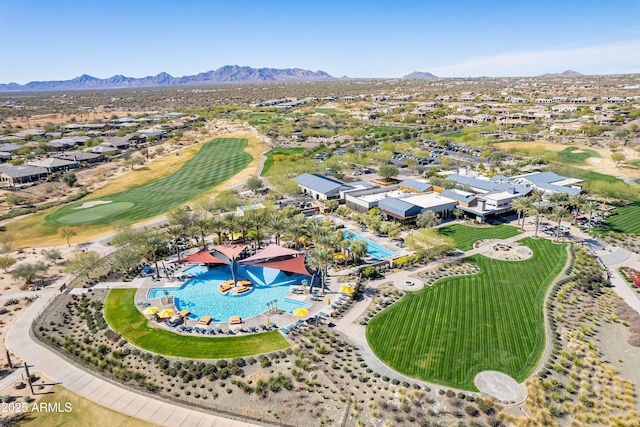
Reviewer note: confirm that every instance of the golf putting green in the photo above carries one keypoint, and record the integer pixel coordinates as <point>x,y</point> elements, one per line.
<point>94,213</point>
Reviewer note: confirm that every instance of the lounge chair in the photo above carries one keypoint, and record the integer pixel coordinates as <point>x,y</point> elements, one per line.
<point>210,331</point>
<point>242,289</point>
<point>219,331</point>
<point>253,329</point>
<point>314,298</point>
<point>263,327</point>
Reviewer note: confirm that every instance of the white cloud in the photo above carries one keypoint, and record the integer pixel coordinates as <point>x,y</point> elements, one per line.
<point>618,57</point>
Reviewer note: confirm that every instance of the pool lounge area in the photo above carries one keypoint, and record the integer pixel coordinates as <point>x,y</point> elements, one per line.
<point>375,250</point>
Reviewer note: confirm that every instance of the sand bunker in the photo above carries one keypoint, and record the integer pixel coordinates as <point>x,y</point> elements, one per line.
<point>92,204</point>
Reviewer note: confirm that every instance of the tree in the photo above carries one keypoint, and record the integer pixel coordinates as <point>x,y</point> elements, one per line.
<point>134,161</point>
<point>428,243</point>
<point>358,249</point>
<point>590,207</point>
<point>83,263</point>
<point>201,225</point>
<point>577,202</point>
<point>558,213</point>
<point>6,262</point>
<point>29,272</point>
<point>126,259</point>
<point>297,229</point>
<point>254,183</point>
<point>69,178</point>
<point>152,245</point>
<point>331,205</point>
<point>427,219</point>
<point>174,233</point>
<point>277,224</point>
<point>180,216</point>
<point>520,205</point>
<point>6,241</point>
<point>320,258</point>
<point>559,198</point>
<point>537,209</point>
<point>387,171</point>
<point>458,213</point>
<point>67,233</point>
<point>53,255</point>
<point>257,217</point>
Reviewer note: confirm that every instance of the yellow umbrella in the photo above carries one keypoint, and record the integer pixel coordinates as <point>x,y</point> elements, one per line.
<point>150,310</point>
<point>300,312</point>
<point>328,301</point>
<point>166,313</point>
<point>340,256</point>
<point>346,289</point>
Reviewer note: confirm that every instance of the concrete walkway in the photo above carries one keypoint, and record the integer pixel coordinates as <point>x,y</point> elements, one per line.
<point>21,295</point>
<point>40,359</point>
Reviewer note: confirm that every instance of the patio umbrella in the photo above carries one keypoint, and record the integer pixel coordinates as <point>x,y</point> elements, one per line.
<point>328,301</point>
<point>150,310</point>
<point>346,289</point>
<point>300,312</point>
<point>166,313</point>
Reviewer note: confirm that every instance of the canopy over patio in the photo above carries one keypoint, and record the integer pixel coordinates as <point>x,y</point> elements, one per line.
<point>271,251</point>
<point>230,251</point>
<point>202,256</point>
<point>291,265</point>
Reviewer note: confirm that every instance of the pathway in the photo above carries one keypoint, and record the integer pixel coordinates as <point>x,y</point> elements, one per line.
<point>41,359</point>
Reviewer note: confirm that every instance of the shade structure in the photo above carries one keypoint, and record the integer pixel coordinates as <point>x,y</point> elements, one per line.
<point>150,310</point>
<point>202,256</point>
<point>300,312</point>
<point>230,251</point>
<point>291,265</point>
<point>165,313</point>
<point>271,251</point>
<point>340,256</point>
<point>346,289</point>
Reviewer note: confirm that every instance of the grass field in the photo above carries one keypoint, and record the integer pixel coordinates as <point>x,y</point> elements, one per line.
<point>268,164</point>
<point>329,111</point>
<point>123,316</point>
<point>576,155</point>
<point>216,161</point>
<point>460,326</point>
<point>84,413</point>
<point>626,220</point>
<point>465,236</point>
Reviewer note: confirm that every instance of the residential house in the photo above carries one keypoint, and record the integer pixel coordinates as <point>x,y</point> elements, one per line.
<point>54,164</point>
<point>14,176</point>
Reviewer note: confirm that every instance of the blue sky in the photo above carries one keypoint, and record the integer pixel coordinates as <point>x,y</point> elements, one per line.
<point>59,40</point>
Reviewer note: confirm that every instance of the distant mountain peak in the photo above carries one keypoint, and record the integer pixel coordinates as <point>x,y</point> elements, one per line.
<point>567,73</point>
<point>225,74</point>
<point>420,75</point>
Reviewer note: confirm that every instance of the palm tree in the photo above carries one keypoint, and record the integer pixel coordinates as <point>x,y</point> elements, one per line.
<point>202,225</point>
<point>537,209</point>
<point>527,205</point>
<point>152,244</point>
<point>590,207</point>
<point>357,249</point>
<point>297,228</point>
<point>243,224</point>
<point>537,195</point>
<point>578,202</point>
<point>175,232</point>
<point>257,217</point>
<point>277,224</point>
<point>217,226</point>
<point>520,206</point>
<point>230,223</point>
<point>558,198</point>
<point>558,213</point>
<point>321,258</point>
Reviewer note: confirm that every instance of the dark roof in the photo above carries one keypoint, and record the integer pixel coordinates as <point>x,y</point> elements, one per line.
<point>9,148</point>
<point>20,171</point>
<point>79,156</point>
<point>398,206</point>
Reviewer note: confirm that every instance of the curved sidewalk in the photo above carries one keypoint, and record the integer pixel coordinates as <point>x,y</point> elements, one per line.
<point>102,392</point>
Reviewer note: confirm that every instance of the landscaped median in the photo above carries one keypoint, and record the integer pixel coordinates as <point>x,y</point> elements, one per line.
<point>123,316</point>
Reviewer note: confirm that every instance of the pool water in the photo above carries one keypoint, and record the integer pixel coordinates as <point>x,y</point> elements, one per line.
<point>195,270</point>
<point>201,297</point>
<point>373,249</point>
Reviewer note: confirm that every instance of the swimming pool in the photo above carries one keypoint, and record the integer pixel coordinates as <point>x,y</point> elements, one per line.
<point>201,297</point>
<point>373,249</point>
<point>195,270</point>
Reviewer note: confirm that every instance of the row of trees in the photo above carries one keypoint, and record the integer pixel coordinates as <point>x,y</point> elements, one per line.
<point>560,208</point>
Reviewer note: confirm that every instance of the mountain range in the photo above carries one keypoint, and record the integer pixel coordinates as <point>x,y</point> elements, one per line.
<point>567,73</point>
<point>226,74</point>
<point>419,75</point>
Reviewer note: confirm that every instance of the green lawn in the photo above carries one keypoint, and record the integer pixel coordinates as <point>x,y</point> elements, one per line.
<point>123,316</point>
<point>460,326</point>
<point>465,235</point>
<point>268,164</point>
<point>626,220</point>
<point>215,162</point>
<point>329,111</point>
<point>569,155</point>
